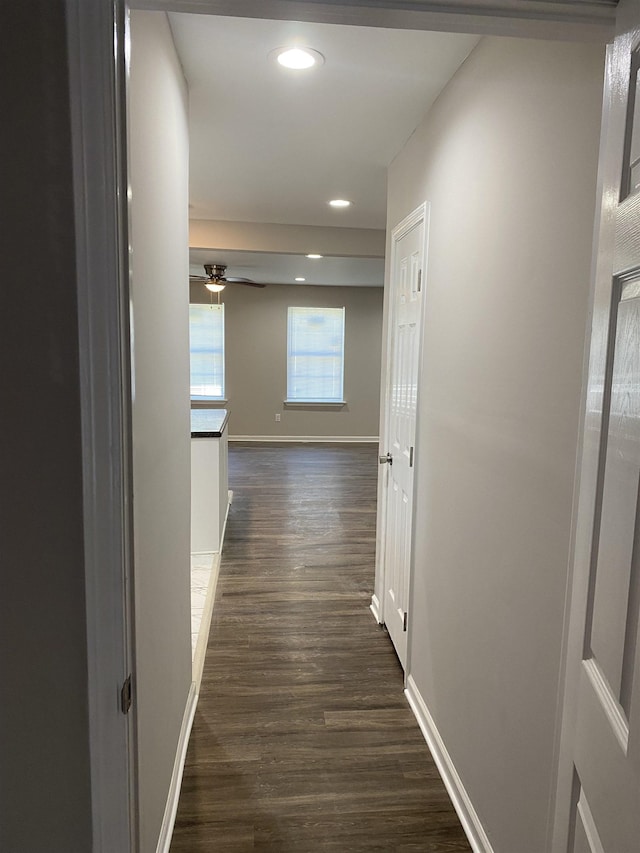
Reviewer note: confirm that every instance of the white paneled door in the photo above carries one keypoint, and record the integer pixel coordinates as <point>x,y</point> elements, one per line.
<point>406,296</point>
<point>600,756</point>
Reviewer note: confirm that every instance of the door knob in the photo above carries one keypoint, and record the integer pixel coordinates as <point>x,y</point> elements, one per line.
<point>388,458</point>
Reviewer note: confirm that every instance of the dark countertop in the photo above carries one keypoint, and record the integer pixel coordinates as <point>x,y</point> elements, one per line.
<point>208,423</point>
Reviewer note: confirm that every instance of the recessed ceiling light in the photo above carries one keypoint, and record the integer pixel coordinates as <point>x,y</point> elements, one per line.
<point>340,202</point>
<point>313,256</point>
<point>298,58</point>
<point>299,278</point>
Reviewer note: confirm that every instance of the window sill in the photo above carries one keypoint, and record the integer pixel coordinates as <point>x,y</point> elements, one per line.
<point>314,404</point>
<point>208,401</point>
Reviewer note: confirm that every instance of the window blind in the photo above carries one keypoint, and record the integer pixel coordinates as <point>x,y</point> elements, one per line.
<point>206,340</point>
<point>315,355</point>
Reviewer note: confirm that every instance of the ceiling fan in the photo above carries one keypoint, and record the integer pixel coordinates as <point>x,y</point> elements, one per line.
<point>215,279</point>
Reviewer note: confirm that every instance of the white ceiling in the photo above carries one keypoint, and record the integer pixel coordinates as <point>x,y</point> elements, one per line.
<point>272,145</point>
<point>272,268</point>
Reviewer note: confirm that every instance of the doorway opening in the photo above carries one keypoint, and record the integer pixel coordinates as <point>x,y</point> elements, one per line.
<point>134,251</point>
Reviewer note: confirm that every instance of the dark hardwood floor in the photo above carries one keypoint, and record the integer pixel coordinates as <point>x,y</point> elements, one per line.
<point>303,740</point>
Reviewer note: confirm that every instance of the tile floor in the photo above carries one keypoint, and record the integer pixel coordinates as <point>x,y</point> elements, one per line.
<point>201,567</point>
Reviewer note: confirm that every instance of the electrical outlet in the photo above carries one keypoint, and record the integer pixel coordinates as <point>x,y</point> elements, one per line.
<point>278,418</point>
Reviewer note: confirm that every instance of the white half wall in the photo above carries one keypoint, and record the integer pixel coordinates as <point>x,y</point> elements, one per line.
<point>158,155</point>
<point>507,160</point>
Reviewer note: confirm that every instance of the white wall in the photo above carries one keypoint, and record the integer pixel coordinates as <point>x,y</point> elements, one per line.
<point>507,158</point>
<point>158,152</point>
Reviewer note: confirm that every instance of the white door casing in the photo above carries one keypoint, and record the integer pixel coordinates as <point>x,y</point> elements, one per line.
<point>598,798</point>
<point>97,32</point>
<point>407,275</point>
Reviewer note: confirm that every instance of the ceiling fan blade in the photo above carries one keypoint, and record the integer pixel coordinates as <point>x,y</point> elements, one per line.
<point>198,278</point>
<point>248,281</point>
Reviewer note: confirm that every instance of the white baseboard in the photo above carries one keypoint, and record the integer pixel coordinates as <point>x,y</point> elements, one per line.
<point>469,819</point>
<point>308,439</point>
<point>374,607</point>
<point>226,516</point>
<point>169,819</point>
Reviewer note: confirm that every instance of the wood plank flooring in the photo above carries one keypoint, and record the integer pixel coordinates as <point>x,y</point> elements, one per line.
<point>303,740</point>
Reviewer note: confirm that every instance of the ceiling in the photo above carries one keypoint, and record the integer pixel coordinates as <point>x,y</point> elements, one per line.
<point>272,145</point>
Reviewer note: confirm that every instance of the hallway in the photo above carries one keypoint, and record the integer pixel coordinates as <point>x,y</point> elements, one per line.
<point>302,739</point>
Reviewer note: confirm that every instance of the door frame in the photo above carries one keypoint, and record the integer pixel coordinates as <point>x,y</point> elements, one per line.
<point>420,214</point>
<point>562,20</point>
<point>97,42</point>
<point>97,46</point>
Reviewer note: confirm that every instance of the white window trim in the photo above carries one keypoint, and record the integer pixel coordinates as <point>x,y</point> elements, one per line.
<point>302,404</point>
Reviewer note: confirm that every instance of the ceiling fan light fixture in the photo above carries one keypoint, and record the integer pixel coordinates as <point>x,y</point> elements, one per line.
<point>340,202</point>
<point>216,278</point>
<point>298,58</point>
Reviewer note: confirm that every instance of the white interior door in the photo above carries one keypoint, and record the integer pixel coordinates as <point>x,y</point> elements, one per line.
<point>600,753</point>
<point>406,295</point>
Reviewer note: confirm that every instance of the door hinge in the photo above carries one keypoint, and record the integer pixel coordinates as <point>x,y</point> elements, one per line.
<point>125,695</point>
<point>404,620</point>
<point>411,457</point>
<point>419,280</point>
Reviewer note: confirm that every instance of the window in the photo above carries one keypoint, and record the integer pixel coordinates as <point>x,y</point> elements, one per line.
<point>315,355</point>
<point>206,336</point>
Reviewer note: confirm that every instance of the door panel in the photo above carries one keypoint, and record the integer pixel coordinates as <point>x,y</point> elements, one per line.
<point>600,745</point>
<point>406,312</point>
<point>586,839</point>
<point>613,627</point>
<point>607,776</point>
